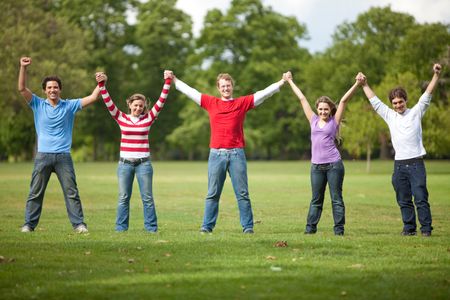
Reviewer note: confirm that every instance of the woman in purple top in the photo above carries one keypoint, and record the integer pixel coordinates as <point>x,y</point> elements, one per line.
<point>326,163</point>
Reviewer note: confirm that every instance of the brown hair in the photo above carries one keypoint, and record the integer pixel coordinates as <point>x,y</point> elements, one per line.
<point>327,100</point>
<point>225,76</point>
<point>138,97</point>
<point>51,78</point>
<point>398,92</point>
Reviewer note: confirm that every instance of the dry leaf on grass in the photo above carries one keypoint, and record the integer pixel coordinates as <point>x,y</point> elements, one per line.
<point>281,244</point>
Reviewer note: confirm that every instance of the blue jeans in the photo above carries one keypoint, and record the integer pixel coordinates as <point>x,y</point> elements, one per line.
<point>410,179</point>
<point>234,162</point>
<point>333,173</point>
<point>44,165</point>
<point>144,175</point>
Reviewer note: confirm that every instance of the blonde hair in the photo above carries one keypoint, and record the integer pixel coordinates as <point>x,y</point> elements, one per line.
<point>327,100</point>
<point>135,97</point>
<point>224,76</point>
<point>333,109</point>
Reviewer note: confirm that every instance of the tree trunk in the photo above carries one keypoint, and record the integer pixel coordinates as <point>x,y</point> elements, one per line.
<point>385,152</point>
<point>369,153</point>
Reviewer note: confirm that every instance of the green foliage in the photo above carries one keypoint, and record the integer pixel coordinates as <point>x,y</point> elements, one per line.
<point>379,43</point>
<point>164,40</point>
<point>253,43</point>
<point>27,30</point>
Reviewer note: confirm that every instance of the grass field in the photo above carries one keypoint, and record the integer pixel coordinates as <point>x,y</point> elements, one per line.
<point>372,261</point>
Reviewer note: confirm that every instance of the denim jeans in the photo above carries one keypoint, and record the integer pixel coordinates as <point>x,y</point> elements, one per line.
<point>44,165</point>
<point>333,173</point>
<point>410,179</point>
<point>234,162</point>
<point>144,175</point>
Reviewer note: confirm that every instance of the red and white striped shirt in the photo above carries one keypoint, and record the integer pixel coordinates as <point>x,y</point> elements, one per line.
<point>134,140</point>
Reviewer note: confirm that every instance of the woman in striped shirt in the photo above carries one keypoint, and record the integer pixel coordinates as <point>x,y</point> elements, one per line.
<point>135,158</point>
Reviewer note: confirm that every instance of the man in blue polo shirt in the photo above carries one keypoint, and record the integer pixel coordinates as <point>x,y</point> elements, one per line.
<point>53,120</point>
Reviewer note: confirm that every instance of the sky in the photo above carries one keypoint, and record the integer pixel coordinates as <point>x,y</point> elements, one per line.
<point>321,17</point>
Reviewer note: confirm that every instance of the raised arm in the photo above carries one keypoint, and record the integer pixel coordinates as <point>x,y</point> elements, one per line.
<point>437,71</point>
<point>22,81</point>
<point>112,108</point>
<point>100,77</point>
<point>262,95</point>
<point>303,101</point>
<point>191,93</point>
<point>343,102</point>
<point>362,80</point>
<point>156,109</point>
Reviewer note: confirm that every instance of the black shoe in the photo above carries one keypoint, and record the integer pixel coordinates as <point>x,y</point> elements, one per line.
<point>426,233</point>
<point>310,232</point>
<point>341,233</point>
<point>408,233</point>
<point>205,230</point>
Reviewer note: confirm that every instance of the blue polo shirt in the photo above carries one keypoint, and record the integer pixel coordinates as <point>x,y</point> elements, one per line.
<point>54,125</point>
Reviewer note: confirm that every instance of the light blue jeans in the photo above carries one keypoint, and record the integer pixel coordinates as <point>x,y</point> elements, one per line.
<point>234,162</point>
<point>44,165</point>
<point>144,175</point>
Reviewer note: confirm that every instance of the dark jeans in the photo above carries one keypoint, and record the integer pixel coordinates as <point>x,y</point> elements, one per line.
<point>410,179</point>
<point>321,174</point>
<point>44,165</point>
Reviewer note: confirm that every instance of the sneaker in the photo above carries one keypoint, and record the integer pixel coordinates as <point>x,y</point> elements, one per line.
<point>426,233</point>
<point>81,229</point>
<point>310,232</point>
<point>341,233</point>
<point>408,233</point>
<point>249,231</point>
<point>26,228</point>
<point>205,230</point>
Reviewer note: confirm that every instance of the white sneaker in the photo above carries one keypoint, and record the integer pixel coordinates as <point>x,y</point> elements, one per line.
<point>26,228</point>
<point>81,229</point>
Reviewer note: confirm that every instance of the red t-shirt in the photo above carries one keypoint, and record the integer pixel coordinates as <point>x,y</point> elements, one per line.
<point>226,119</point>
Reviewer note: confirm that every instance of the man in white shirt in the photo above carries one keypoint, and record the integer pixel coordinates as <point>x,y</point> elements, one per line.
<point>409,177</point>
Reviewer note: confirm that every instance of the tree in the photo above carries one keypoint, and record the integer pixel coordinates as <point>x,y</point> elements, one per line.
<point>28,30</point>
<point>163,38</point>
<point>255,45</point>
<point>110,41</point>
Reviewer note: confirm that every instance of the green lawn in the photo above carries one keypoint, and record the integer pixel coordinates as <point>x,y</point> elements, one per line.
<point>372,261</point>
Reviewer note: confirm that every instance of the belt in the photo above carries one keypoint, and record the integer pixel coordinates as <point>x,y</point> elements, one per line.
<point>409,161</point>
<point>134,161</point>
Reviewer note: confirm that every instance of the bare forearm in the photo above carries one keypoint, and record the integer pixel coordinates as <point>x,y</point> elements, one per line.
<point>368,91</point>
<point>91,98</point>
<point>22,82</point>
<point>303,101</point>
<point>432,85</point>
<point>349,94</point>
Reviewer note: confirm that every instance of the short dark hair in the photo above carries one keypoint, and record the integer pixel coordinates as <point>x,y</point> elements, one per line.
<point>51,78</point>
<point>398,92</point>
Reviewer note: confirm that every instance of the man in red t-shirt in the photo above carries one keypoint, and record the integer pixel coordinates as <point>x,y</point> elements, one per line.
<point>226,117</point>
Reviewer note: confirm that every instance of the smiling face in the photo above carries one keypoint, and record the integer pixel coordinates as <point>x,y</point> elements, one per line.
<point>225,88</point>
<point>52,91</point>
<point>137,107</point>
<point>323,110</point>
<point>399,104</point>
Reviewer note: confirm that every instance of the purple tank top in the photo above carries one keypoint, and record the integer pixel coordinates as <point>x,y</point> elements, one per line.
<point>323,148</point>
